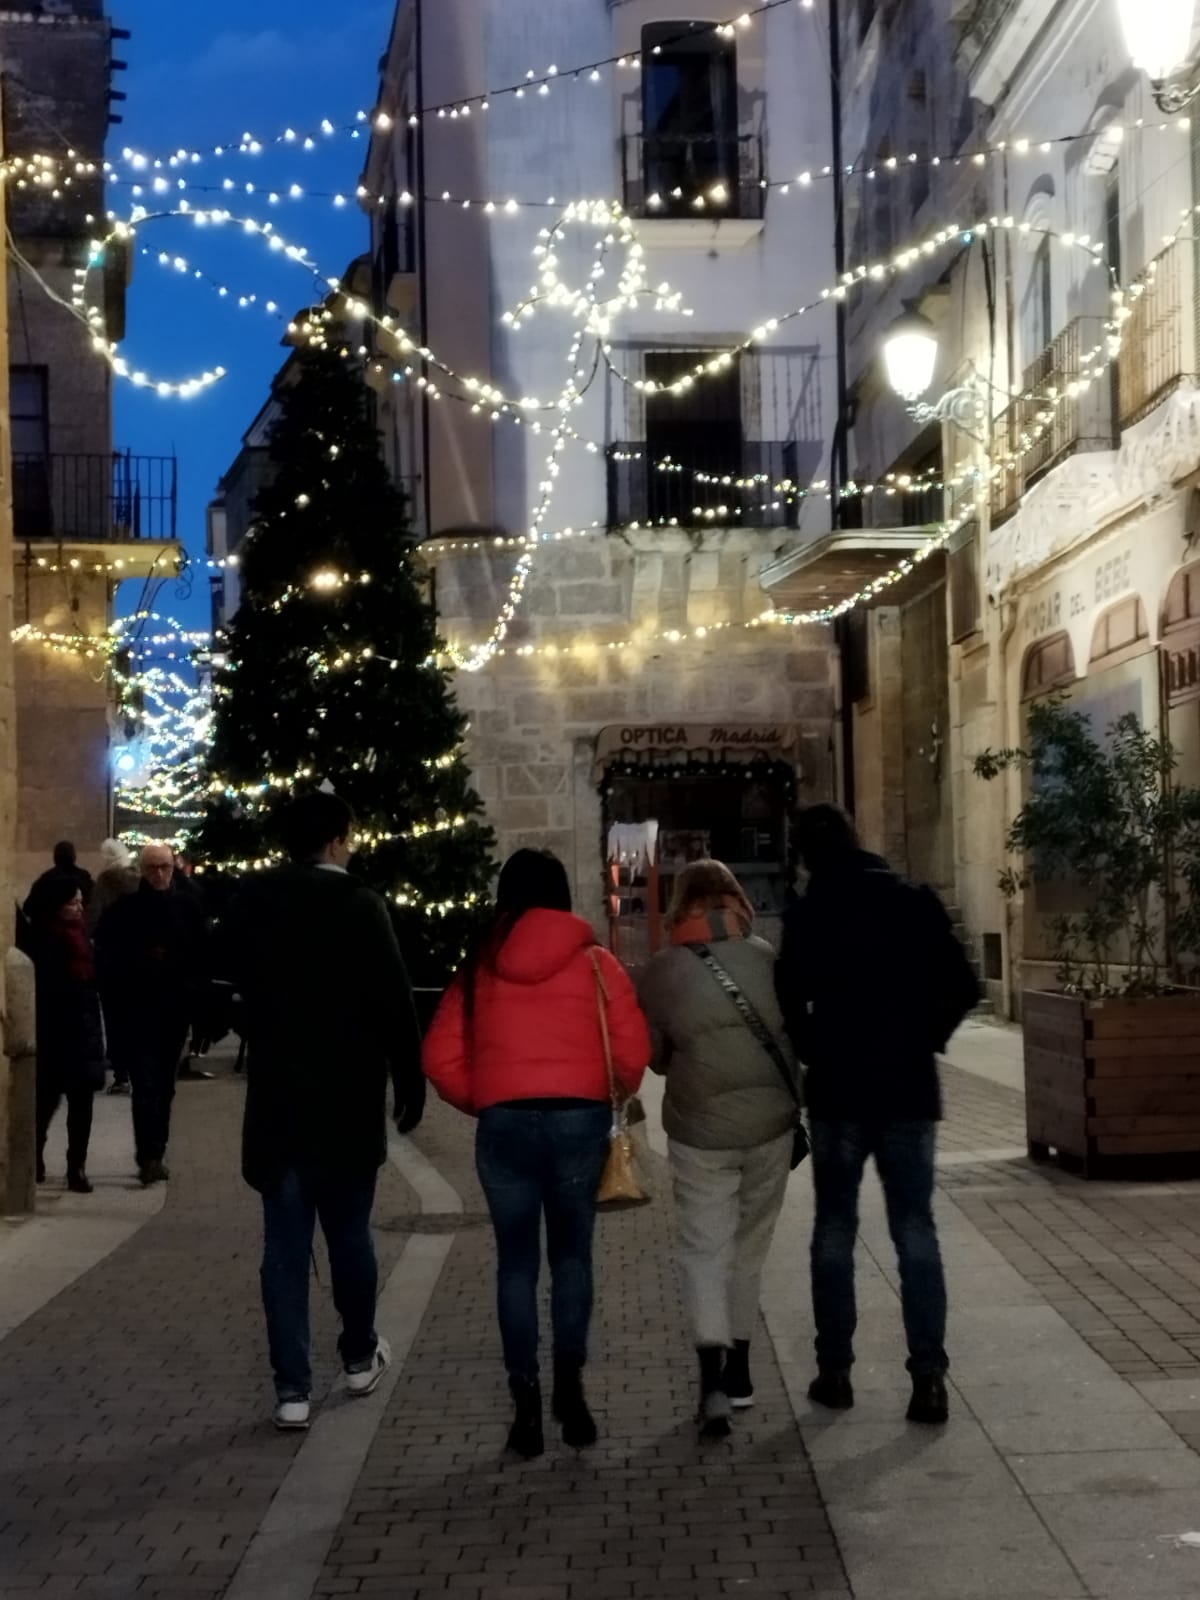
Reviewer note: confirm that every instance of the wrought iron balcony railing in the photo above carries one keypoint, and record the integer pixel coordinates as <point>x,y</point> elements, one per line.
<point>1067,408</point>
<point>94,497</point>
<point>705,176</point>
<point>749,486</point>
<point>1154,359</point>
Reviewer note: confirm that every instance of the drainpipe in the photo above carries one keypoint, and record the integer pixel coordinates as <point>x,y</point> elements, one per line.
<point>840,464</point>
<point>422,264</point>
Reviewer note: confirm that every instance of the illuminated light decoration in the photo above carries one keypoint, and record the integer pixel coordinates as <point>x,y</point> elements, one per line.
<point>720,361</point>
<point>1094,364</point>
<point>92,316</point>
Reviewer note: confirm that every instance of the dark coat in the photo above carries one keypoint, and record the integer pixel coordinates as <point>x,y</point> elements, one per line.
<point>872,982</point>
<point>70,1033</point>
<point>328,1014</point>
<point>152,960</point>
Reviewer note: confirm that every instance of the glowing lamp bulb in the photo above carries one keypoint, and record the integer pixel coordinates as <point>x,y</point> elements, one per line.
<point>1158,34</point>
<point>910,355</point>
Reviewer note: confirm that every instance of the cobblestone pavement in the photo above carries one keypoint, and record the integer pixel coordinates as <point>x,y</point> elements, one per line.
<point>133,1454</point>
<point>136,1456</point>
<point>647,1513</point>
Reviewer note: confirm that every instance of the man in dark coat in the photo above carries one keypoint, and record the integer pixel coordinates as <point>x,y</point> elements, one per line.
<point>329,1015</point>
<point>66,865</point>
<point>872,982</point>
<point>152,960</point>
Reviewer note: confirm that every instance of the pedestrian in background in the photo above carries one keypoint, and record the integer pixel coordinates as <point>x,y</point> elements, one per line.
<point>70,1034</point>
<point>730,1115</point>
<point>66,865</point>
<point>517,1043</point>
<point>152,959</point>
<point>328,1015</point>
<point>872,982</point>
<point>118,877</point>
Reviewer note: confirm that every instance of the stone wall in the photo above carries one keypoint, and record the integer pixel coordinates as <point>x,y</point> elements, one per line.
<point>534,718</point>
<point>63,775</point>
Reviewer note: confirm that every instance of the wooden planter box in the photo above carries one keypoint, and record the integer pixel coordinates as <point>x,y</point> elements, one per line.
<point>1109,1083</point>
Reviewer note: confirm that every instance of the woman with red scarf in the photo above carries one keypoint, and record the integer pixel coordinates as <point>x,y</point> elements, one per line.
<point>730,1117</point>
<point>70,1034</point>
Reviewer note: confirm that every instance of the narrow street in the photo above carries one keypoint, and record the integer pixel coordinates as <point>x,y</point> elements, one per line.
<point>138,1459</point>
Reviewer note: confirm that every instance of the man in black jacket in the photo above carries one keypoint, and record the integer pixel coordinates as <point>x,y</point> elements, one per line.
<point>328,1014</point>
<point>152,961</point>
<point>872,982</point>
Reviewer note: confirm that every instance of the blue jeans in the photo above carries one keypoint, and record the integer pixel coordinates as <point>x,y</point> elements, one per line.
<point>290,1212</point>
<point>532,1160</point>
<point>903,1154</point>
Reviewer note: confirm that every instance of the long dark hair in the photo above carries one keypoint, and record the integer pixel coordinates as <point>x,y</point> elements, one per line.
<point>530,880</point>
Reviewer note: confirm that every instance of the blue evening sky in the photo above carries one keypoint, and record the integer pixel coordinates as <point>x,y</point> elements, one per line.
<point>199,76</point>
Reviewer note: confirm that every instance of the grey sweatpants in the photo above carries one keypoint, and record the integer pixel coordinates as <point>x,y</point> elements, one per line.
<point>727,1203</point>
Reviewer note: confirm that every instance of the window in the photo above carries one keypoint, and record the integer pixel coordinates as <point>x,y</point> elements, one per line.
<point>1120,633</point>
<point>29,410</point>
<point>1112,221</point>
<point>690,146</point>
<point>30,423</point>
<point>1036,328</point>
<point>701,428</point>
<point>962,582</point>
<point>1048,665</point>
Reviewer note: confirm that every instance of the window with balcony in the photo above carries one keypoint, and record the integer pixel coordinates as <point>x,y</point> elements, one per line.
<point>693,466</point>
<point>691,158</point>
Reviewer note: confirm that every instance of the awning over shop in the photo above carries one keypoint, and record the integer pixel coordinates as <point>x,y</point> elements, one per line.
<point>838,565</point>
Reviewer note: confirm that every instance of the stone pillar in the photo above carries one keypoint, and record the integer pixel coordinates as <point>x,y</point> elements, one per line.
<point>17,1152</point>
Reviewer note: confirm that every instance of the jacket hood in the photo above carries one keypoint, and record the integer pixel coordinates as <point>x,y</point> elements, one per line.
<point>541,944</point>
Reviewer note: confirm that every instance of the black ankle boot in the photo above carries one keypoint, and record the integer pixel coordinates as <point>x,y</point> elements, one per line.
<point>736,1381</point>
<point>832,1390</point>
<point>78,1181</point>
<point>525,1437</point>
<point>930,1402</point>
<point>715,1409</point>
<point>569,1404</point>
<point>41,1168</point>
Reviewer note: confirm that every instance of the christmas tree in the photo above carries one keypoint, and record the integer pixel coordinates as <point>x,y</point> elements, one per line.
<point>329,674</point>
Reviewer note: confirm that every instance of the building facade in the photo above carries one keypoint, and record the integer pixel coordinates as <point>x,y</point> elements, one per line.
<point>632,683</point>
<point>1069,469</point>
<point>86,515</point>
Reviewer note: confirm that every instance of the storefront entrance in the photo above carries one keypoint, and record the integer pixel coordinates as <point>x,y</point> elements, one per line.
<point>728,801</point>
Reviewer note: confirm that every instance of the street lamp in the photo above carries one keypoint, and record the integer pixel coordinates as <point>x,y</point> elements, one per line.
<point>910,351</point>
<point>1158,36</point>
<point>910,355</point>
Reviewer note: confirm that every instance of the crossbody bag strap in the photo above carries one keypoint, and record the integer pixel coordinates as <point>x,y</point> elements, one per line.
<point>750,1017</point>
<point>605,1035</point>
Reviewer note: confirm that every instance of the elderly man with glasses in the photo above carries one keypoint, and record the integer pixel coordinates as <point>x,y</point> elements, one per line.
<point>152,958</point>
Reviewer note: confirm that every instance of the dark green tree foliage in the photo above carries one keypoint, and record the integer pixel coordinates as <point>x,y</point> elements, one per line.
<point>329,672</point>
<point>1107,817</point>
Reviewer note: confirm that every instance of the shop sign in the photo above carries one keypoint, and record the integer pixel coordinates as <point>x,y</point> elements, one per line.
<point>738,741</point>
<point>1053,609</point>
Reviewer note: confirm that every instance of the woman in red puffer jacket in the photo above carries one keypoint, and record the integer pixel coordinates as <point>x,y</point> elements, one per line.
<point>517,1043</point>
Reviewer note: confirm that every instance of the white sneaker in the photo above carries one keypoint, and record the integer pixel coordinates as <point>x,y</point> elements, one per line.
<point>292,1414</point>
<point>361,1383</point>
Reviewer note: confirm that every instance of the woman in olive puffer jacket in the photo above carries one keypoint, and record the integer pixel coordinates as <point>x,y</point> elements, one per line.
<point>729,1118</point>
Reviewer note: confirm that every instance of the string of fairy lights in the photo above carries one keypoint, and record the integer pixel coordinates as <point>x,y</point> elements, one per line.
<point>593,318</point>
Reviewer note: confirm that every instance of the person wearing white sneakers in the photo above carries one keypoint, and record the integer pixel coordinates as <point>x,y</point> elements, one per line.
<point>329,1014</point>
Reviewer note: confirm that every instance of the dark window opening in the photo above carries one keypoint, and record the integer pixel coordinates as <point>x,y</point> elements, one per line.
<point>856,654</point>
<point>700,427</point>
<point>689,118</point>
<point>29,408</point>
